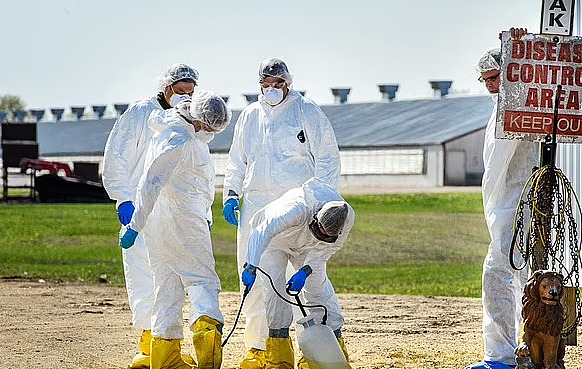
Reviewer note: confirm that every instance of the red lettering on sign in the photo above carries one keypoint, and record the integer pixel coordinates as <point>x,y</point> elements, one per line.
<point>565,53</point>
<point>573,100</point>
<point>551,51</point>
<point>518,49</point>
<point>546,100</point>
<point>567,76</point>
<point>527,74</point>
<point>578,77</point>
<point>541,73</point>
<point>532,99</point>
<point>512,74</point>
<point>538,48</point>
<point>577,57</point>
<point>541,123</point>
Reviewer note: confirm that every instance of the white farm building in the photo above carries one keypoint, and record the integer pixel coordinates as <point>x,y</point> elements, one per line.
<point>408,143</point>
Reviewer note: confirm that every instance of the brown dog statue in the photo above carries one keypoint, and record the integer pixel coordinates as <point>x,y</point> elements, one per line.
<point>543,321</point>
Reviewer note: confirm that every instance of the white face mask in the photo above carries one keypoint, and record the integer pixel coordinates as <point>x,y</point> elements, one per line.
<point>204,136</point>
<point>273,96</point>
<point>176,99</point>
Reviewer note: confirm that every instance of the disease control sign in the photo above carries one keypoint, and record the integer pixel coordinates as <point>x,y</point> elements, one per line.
<point>531,70</point>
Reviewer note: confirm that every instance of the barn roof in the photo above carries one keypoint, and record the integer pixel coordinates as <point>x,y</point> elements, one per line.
<point>377,124</point>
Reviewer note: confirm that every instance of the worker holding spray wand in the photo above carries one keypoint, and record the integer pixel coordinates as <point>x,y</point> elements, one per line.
<point>305,226</point>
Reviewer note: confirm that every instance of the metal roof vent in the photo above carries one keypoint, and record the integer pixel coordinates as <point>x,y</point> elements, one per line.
<point>251,98</point>
<point>57,113</point>
<point>78,111</point>
<point>99,110</point>
<point>20,114</point>
<point>38,114</point>
<point>388,92</point>
<point>341,95</point>
<point>120,108</point>
<point>441,86</point>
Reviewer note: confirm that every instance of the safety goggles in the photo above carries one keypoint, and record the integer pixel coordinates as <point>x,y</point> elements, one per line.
<point>278,85</point>
<point>182,93</point>
<point>318,231</point>
<point>489,79</point>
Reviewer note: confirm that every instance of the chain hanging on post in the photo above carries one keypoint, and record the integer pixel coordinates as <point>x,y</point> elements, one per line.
<point>545,230</point>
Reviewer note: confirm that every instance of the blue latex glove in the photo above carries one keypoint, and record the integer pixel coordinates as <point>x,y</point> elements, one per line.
<point>230,206</point>
<point>125,212</point>
<point>297,280</point>
<point>249,275</point>
<point>128,238</point>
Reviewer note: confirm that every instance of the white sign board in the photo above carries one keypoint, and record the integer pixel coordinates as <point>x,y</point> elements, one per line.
<point>531,70</point>
<point>557,17</point>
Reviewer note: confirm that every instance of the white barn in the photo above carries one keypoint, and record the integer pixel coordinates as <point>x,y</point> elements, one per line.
<point>408,143</point>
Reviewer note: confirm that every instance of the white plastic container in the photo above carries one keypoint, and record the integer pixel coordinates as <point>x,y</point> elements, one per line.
<point>320,346</point>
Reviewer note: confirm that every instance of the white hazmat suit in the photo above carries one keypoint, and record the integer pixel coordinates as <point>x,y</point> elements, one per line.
<point>123,162</point>
<point>280,233</point>
<point>172,205</point>
<point>274,149</point>
<point>508,165</point>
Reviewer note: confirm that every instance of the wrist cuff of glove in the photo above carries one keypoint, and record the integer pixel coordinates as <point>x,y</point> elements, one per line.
<point>307,269</point>
<point>230,195</point>
<point>250,268</point>
<point>118,203</point>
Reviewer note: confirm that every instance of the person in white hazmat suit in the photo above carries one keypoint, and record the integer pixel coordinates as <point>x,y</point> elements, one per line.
<point>508,165</point>
<point>279,142</point>
<point>173,203</point>
<point>305,226</point>
<point>122,168</point>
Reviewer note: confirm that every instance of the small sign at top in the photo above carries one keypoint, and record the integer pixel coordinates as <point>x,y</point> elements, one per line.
<point>557,17</point>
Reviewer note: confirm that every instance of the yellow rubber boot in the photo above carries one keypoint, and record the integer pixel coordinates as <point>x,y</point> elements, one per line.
<point>165,354</point>
<point>255,359</point>
<point>207,341</point>
<point>344,350</point>
<point>280,353</point>
<point>142,359</point>
<point>302,363</point>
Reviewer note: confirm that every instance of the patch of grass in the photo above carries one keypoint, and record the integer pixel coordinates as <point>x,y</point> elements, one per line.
<point>434,279</point>
<point>461,203</point>
<point>422,244</point>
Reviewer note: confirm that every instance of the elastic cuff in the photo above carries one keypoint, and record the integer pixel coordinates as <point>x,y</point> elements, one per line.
<point>230,195</point>
<point>279,333</point>
<point>119,202</point>
<point>307,269</point>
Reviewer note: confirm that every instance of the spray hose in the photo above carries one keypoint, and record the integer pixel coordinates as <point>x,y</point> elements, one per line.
<point>244,296</point>
<point>298,303</point>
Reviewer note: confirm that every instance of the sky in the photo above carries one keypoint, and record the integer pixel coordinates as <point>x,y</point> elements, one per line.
<point>63,53</point>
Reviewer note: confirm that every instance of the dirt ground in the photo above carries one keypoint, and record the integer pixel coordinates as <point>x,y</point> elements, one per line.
<point>46,325</point>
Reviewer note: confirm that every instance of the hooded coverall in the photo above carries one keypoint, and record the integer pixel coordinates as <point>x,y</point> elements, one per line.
<point>274,149</point>
<point>508,165</point>
<point>172,209</point>
<point>123,163</point>
<point>280,234</point>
